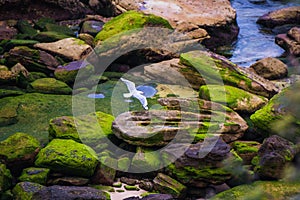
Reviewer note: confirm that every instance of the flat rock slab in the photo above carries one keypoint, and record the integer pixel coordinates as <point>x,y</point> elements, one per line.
<point>159,127</point>
<point>201,13</point>
<point>70,48</point>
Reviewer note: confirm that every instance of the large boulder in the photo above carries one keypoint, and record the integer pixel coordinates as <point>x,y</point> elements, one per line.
<point>147,128</point>
<point>69,48</point>
<point>216,69</point>
<point>129,21</point>
<point>274,155</point>
<point>270,68</point>
<point>203,163</point>
<point>69,157</point>
<point>280,115</point>
<point>290,41</point>
<point>235,98</point>
<point>290,15</point>
<point>279,190</point>
<point>18,151</point>
<point>218,18</point>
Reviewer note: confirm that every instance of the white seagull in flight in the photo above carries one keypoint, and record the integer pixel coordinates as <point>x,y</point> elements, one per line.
<point>135,93</point>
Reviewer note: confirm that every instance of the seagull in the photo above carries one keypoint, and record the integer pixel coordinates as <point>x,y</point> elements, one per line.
<point>135,93</point>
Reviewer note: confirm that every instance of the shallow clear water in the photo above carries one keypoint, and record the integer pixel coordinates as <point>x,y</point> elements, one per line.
<point>254,41</point>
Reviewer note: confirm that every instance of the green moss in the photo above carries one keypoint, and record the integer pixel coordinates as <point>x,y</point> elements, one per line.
<point>146,159</point>
<point>235,79</point>
<point>17,146</point>
<point>267,115</point>
<point>41,23</point>
<point>36,175</point>
<point>168,185</point>
<point>15,42</point>
<point>245,146</point>
<point>263,190</point>
<point>124,164</point>
<point>117,184</point>
<point>49,86</point>
<point>5,178</point>
<point>69,157</point>
<point>26,28</point>
<point>128,21</point>
<point>49,36</point>
<point>131,187</point>
<point>64,30</point>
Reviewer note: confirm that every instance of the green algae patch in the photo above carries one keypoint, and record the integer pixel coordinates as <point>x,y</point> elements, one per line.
<point>166,184</point>
<point>18,146</point>
<point>246,146</point>
<point>91,129</point>
<point>262,190</point>
<point>49,86</point>
<point>235,98</point>
<point>5,178</point>
<point>35,175</point>
<point>68,157</point>
<point>146,159</point>
<point>25,190</point>
<point>128,21</point>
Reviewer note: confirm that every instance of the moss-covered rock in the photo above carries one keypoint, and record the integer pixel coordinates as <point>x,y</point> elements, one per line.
<point>8,113</point>
<point>105,172</point>
<point>128,21</point>
<point>247,150</point>
<point>64,30</point>
<point>49,86</point>
<point>36,175</point>
<point>19,151</point>
<point>168,185</point>
<point>26,28</point>
<point>31,59</point>
<point>5,178</point>
<point>9,92</point>
<point>146,160</point>
<point>217,70</point>
<point>49,36</point>
<point>235,98</point>
<point>280,116</point>
<point>68,73</point>
<point>9,44</point>
<point>69,157</point>
<point>25,190</point>
<point>264,190</point>
<point>91,129</point>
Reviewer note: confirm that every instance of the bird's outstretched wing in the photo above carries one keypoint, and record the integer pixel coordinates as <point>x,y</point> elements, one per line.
<point>142,99</point>
<point>130,85</point>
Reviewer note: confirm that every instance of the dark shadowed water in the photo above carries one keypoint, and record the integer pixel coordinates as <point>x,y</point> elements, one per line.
<point>254,41</point>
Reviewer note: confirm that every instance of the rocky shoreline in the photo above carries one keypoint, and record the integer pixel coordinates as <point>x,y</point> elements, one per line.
<point>214,130</point>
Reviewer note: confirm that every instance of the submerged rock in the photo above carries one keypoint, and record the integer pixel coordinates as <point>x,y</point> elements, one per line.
<point>68,157</point>
<point>235,98</point>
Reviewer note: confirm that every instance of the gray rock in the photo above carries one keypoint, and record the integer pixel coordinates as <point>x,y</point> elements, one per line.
<point>274,154</point>
<point>290,41</point>
<point>69,193</point>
